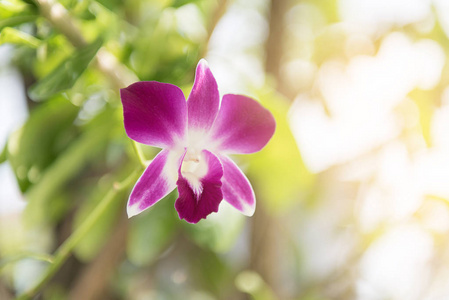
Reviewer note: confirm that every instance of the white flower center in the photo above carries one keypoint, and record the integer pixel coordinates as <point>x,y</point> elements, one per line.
<point>193,169</point>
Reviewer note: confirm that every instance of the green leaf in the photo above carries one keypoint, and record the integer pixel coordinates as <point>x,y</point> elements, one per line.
<point>3,154</point>
<point>81,152</point>
<point>219,231</point>
<point>65,75</point>
<point>150,233</point>
<point>16,20</point>
<point>13,13</point>
<point>45,134</point>
<point>210,272</point>
<point>16,37</point>
<point>252,283</point>
<point>9,8</point>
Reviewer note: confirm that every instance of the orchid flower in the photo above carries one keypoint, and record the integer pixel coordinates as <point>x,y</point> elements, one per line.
<point>196,137</point>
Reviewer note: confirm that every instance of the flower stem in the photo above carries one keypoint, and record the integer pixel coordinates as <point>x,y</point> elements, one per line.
<point>140,154</point>
<point>63,252</point>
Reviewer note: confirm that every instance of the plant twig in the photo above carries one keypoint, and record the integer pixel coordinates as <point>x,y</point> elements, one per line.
<point>144,162</point>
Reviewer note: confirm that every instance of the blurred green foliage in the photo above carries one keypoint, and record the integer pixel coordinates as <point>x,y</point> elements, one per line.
<point>66,74</point>
<point>150,235</point>
<point>72,152</point>
<point>35,146</point>
<point>13,36</point>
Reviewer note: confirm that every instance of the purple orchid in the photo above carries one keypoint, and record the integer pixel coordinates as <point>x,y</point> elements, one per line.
<point>195,137</point>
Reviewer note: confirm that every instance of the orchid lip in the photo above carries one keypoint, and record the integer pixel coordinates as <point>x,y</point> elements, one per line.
<point>193,169</point>
<point>200,186</point>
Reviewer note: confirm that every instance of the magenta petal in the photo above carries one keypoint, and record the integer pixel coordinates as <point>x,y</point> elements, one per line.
<point>236,188</point>
<point>242,125</point>
<point>193,207</point>
<point>204,99</point>
<point>156,182</point>
<point>155,113</point>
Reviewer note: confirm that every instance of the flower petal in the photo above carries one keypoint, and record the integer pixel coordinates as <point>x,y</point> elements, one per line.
<point>155,113</point>
<point>236,188</point>
<point>193,206</point>
<point>204,99</point>
<point>242,125</point>
<point>156,182</point>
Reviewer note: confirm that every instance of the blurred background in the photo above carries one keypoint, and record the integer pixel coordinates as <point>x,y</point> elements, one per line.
<point>352,191</point>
